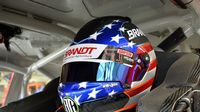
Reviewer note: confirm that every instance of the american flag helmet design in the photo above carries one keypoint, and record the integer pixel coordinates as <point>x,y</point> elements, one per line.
<point>109,59</point>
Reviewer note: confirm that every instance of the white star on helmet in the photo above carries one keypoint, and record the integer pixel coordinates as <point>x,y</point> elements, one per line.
<point>93,93</point>
<point>82,85</point>
<point>130,44</point>
<point>108,26</point>
<point>112,93</point>
<point>94,36</point>
<point>122,29</point>
<point>76,99</point>
<point>116,38</point>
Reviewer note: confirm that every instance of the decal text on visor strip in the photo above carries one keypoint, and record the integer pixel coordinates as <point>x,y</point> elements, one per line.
<point>82,52</point>
<point>92,53</point>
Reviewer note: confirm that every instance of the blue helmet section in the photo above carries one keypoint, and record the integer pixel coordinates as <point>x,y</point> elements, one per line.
<point>111,35</point>
<point>89,91</point>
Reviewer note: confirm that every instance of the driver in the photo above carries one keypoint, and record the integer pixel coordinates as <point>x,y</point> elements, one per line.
<point>109,66</point>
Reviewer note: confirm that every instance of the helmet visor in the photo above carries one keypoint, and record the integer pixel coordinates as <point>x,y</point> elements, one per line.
<point>93,71</point>
<point>107,64</point>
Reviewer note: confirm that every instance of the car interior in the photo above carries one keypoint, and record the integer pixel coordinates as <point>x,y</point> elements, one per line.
<point>36,34</point>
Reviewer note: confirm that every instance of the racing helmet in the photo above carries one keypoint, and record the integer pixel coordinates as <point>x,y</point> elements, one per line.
<point>109,66</point>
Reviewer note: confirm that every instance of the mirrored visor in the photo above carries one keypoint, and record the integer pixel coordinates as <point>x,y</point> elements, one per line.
<point>96,63</point>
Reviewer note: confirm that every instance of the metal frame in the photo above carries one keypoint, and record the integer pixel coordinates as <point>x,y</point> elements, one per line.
<point>26,72</point>
<point>14,91</point>
<point>165,22</point>
<point>43,61</point>
<point>36,25</point>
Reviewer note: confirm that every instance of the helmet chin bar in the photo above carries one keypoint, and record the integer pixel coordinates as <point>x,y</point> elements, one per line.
<point>111,102</point>
<point>89,91</point>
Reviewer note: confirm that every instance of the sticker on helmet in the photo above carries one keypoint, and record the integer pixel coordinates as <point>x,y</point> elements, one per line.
<point>125,53</point>
<point>98,53</point>
<point>80,50</point>
<point>119,55</point>
<point>133,34</point>
<point>70,105</point>
<point>83,51</point>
